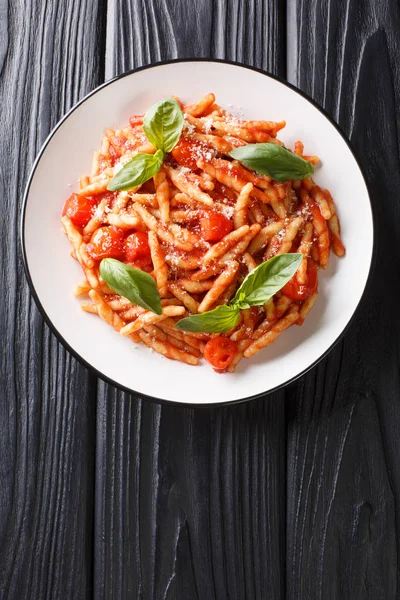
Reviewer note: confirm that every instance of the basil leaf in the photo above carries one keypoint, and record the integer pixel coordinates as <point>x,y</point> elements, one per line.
<point>218,320</point>
<point>163,124</point>
<point>135,285</point>
<point>139,169</point>
<point>273,160</point>
<point>257,288</point>
<point>266,280</point>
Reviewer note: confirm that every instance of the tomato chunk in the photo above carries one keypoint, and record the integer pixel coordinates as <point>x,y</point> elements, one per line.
<point>80,209</point>
<point>137,247</point>
<point>220,352</point>
<point>106,242</point>
<point>214,226</point>
<point>187,153</point>
<point>297,291</point>
<point>135,120</point>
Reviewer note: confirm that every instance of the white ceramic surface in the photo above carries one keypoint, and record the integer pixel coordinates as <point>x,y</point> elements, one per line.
<point>53,274</point>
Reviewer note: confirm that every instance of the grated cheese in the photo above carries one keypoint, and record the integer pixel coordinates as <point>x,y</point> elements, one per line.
<point>227,211</point>
<point>208,124</point>
<point>188,127</point>
<point>183,170</point>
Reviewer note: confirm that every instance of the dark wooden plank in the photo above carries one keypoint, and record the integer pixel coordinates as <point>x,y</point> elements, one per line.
<point>141,32</point>
<point>189,502</point>
<point>344,417</point>
<point>48,60</point>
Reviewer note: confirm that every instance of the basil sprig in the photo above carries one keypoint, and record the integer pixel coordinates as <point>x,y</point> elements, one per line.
<point>135,285</point>
<point>257,288</point>
<point>162,124</point>
<point>137,171</point>
<point>220,319</point>
<point>267,279</point>
<point>273,160</point>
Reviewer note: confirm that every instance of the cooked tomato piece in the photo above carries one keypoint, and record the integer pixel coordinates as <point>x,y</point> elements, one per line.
<point>220,352</point>
<point>111,197</point>
<point>106,242</point>
<point>187,153</point>
<point>80,209</point>
<point>214,226</point>
<point>135,120</point>
<point>297,291</point>
<point>137,247</point>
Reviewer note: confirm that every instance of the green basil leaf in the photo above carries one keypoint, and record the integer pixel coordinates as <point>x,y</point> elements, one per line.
<point>139,169</point>
<point>273,160</point>
<point>266,280</point>
<point>218,320</point>
<point>163,124</point>
<point>135,285</point>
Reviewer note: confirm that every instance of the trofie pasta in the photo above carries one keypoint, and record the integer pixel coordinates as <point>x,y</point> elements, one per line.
<point>199,234</point>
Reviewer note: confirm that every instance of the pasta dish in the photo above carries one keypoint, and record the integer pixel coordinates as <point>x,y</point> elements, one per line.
<point>199,234</point>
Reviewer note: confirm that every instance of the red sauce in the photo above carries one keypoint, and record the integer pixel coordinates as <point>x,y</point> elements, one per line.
<point>221,192</point>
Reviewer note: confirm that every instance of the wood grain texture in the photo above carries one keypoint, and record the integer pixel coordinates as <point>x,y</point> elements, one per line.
<point>189,501</point>
<point>141,32</point>
<point>293,496</point>
<point>344,417</point>
<point>48,60</point>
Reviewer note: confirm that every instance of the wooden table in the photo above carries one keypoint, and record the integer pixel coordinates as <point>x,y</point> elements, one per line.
<point>295,495</point>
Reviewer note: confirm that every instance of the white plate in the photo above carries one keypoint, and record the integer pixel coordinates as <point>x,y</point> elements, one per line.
<point>52,274</point>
